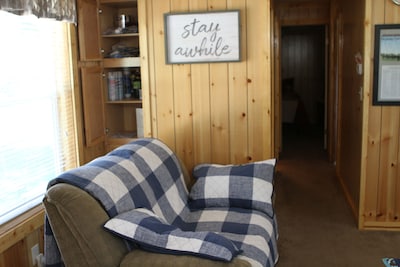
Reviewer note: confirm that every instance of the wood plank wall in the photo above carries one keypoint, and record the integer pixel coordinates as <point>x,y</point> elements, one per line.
<point>19,236</point>
<point>302,12</point>
<point>381,201</point>
<point>221,112</point>
<point>350,126</point>
<point>303,58</point>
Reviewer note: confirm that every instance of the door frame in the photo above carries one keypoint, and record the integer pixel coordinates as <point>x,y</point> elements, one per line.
<point>331,90</point>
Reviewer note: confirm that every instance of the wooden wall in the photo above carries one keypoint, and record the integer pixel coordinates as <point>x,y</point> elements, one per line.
<point>368,164</point>
<point>302,12</point>
<point>19,236</point>
<point>219,112</point>
<point>350,129</point>
<point>380,205</point>
<point>303,58</point>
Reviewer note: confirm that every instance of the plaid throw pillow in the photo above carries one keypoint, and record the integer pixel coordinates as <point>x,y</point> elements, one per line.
<point>152,233</point>
<point>248,186</point>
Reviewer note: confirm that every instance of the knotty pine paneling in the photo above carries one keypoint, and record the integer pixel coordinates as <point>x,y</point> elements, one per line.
<point>183,100</point>
<point>16,256</point>
<point>238,116</point>
<point>212,112</point>
<point>18,236</point>
<point>19,254</point>
<point>260,92</point>
<point>219,103</point>
<point>350,126</point>
<point>302,12</point>
<point>381,200</point>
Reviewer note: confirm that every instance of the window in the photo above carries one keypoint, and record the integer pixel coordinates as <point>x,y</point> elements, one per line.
<point>37,137</point>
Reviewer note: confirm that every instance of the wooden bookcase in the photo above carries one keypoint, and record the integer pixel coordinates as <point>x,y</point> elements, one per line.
<point>109,62</point>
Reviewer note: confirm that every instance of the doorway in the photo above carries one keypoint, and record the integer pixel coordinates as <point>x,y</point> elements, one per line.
<point>303,88</point>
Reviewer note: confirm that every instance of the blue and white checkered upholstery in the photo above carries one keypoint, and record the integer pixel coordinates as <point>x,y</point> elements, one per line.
<point>248,186</point>
<point>150,232</point>
<point>146,174</point>
<point>252,231</point>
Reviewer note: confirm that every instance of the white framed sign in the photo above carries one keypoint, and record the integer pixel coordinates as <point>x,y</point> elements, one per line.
<point>202,37</point>
<point>386,87</point>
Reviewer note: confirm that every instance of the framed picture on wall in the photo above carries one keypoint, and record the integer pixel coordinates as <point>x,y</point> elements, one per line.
<point>386,87</point>
<point>202,37</point>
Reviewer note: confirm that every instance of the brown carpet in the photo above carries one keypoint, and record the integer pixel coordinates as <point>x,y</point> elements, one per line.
<point>316,226</point>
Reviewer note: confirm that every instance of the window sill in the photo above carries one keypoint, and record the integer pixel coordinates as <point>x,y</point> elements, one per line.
<point>16,229</point>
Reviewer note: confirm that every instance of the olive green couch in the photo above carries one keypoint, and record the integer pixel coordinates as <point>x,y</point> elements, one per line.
<point>75,233</point>
<point>77,221</point>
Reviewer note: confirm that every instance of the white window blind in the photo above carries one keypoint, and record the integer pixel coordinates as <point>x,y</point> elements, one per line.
<point>37,136</point>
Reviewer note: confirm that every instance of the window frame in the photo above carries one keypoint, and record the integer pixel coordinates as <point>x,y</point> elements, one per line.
<point>19,227</point>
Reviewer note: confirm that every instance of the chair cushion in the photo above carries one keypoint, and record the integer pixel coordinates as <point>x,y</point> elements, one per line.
<point>252,231</point>
<point>152,233</point>
<point>247,186</point>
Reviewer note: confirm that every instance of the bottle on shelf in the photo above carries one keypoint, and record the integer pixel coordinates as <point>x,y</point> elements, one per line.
<point>136,84</point>
<point>112,86</point>
<point>120,86</point>
<point>127,83</point>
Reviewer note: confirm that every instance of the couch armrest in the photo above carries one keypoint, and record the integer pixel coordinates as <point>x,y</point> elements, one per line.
<point>77,219</point>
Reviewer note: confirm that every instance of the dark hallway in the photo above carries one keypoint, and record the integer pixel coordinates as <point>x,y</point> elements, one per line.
<point>303,142</point>
<point>316,225</point>
<point>303,71</point>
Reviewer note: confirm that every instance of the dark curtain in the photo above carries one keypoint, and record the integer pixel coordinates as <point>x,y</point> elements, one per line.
<point>64,10</point>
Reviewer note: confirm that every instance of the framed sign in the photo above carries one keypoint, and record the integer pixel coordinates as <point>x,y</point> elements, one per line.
<point>386,89</point>
<point>202,37</point>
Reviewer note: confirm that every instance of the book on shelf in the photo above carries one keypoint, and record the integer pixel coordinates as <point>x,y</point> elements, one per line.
<point>119,85</point>
<point>124,84</point>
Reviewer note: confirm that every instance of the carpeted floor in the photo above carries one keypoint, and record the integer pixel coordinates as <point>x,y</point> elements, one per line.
<point>316,226</point>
